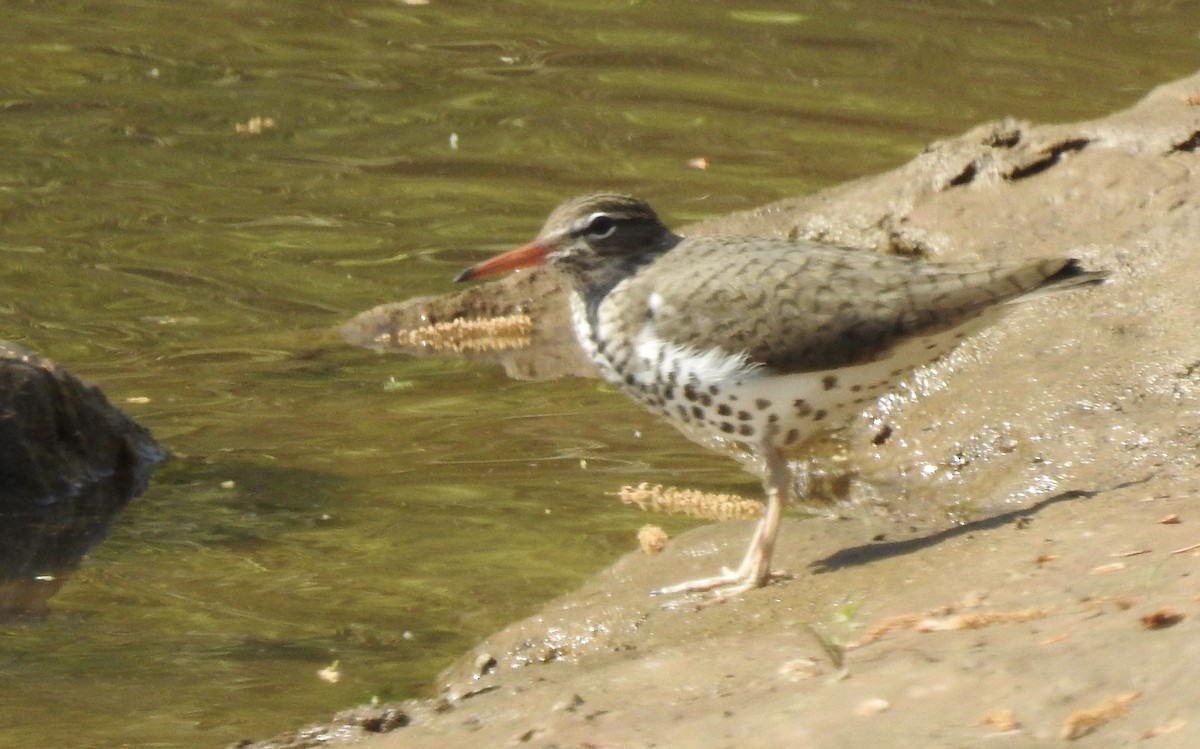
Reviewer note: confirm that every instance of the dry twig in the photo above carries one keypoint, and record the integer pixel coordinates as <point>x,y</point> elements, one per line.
<point>1082,722</point>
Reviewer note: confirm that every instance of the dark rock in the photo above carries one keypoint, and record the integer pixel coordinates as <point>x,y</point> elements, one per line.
<point>69,462</point>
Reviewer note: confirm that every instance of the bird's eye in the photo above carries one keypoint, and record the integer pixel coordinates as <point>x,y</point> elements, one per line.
<point>599,226</point>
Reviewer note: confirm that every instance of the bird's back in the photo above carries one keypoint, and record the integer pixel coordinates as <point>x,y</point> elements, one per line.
<point>799,306</point>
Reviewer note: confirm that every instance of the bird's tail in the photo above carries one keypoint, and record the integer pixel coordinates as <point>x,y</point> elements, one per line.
<point>1069,275</point>
<point>1074,274</point>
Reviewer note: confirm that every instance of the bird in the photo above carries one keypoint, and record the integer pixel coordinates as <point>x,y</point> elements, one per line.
<point>755,345</point>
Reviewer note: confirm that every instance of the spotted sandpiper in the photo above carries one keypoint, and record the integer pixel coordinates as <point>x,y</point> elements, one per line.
<point>757,344</point>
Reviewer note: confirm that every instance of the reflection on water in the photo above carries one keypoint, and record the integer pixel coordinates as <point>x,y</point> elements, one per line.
<point>318,510</point>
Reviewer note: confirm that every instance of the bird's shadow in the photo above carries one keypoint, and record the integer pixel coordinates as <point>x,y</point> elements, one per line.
<point>867,553</point>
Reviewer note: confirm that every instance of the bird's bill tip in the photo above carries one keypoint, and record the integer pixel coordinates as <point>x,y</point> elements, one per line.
<point>523,257</point>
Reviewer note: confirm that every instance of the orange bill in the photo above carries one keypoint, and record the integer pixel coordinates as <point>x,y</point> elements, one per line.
<point>522,257</point>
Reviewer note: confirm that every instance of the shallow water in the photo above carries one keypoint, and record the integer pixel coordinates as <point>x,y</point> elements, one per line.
<point>327,504</point>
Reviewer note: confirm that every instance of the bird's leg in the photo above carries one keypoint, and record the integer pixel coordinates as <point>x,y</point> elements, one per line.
<point>777,482</point>
<point>755,569</point>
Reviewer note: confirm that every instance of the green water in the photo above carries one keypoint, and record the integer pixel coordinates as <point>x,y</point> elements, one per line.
<point>316,512</point>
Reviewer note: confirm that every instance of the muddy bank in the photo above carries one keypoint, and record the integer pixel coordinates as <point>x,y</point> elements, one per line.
<point>1063,606</point>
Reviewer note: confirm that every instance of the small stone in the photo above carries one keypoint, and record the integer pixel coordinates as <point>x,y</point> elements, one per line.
<point>799,669</point>
<point>872,706</point>
<point>485,664</point>
<point>527,736</point>
<point>568,705</point>
<point>385,721</point>
<point>1001,720</point>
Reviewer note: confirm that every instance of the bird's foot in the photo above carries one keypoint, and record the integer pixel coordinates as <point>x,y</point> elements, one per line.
<point>728,584</point>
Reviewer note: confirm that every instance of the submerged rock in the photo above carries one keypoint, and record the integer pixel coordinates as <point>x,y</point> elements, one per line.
<point>69,462</point>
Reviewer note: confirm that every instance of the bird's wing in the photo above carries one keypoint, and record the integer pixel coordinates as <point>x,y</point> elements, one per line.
<point>797,306</point>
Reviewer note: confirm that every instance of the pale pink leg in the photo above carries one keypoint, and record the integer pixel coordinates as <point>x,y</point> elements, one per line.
<point>755,569</point>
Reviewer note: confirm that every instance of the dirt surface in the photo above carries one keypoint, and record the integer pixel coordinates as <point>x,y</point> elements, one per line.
<point>1063,608</point>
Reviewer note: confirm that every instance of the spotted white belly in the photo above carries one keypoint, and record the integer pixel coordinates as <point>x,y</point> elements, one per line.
<point>724,399</point>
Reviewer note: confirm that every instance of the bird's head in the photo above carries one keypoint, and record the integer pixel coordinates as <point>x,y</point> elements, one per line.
<point>595,239</point>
